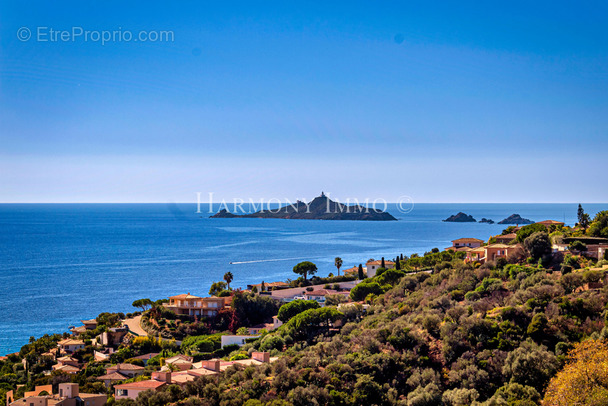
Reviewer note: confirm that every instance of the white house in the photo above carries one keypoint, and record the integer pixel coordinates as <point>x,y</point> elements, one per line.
<point>234,339</point>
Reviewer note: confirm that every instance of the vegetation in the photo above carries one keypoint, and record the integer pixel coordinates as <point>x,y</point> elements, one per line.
<point>338,264</point>
<point>437,331</point>
<point>305,268</point>
<point>583,381</point>
<point>291,309</point>
<point>228,277</point>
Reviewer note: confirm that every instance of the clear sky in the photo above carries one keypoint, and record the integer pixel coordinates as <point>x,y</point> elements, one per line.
<point>444,102</point>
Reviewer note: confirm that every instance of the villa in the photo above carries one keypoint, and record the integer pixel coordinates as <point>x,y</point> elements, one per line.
<point>354,271</point>
<point>195,306</point>
<point>373,266</point>
<point>128,370</point>
<point>549,223</point>
<point>70,345</point>
<point>505,239</point>
<point>490,252</point>
<point>109,379</point>
<point>132,389</point>
<point>462,244</point>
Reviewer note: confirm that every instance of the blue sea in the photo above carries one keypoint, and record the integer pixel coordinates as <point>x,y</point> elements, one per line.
<point>60,263</point>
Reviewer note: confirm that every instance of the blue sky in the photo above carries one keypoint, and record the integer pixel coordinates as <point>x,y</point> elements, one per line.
<point>446,102</point>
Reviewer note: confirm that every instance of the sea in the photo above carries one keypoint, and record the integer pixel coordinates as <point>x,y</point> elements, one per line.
<point>62,263</point>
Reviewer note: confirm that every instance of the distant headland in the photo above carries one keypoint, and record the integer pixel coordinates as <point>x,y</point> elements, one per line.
<point>320,208</point>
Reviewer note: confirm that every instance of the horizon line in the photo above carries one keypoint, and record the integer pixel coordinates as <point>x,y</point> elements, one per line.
<point>232,203</point>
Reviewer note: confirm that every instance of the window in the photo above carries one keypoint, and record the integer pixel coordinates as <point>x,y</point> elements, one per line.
<point>122,392</point>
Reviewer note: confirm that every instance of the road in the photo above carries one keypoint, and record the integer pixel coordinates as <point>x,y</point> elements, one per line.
<point>135,326</point>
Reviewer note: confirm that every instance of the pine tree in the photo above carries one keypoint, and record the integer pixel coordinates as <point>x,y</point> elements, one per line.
<point>397,264</point>
<point>580,213</point>
<point>361,276</point>
<point>382,264</point>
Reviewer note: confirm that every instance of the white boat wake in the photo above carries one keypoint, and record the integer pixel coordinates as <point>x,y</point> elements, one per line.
<point>267,260</point>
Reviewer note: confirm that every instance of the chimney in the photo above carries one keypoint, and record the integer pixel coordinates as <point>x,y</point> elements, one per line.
<point>261,356</point>
<point>212,365</point>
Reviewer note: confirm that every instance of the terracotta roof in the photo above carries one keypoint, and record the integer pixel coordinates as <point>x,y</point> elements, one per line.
<point>185,296</point>
<point>67,358</point>
<point>354,269</point>
<point>498,245</point>
<point>467,239</point>
<point>67,368</point>
<point>125,367</point>
<point>510,236</point>
<point>70,341</point>
<point>92,321</point>
<point>114,376</point>
<point>149,384</point>
<point>379,262</point>
<point>457,248</point>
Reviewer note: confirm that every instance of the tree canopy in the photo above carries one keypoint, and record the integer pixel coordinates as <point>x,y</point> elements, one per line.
<point>305,269</point>
<point>289,310</point>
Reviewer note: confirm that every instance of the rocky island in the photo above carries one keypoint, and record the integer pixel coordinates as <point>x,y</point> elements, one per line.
<point>320,208</point>
<point>461,218</point>
<point>515,219</point>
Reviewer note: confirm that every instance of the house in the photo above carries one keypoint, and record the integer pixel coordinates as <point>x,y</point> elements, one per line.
<point>112,337</point>
<point>68,396</point>
<point>354,271</point>
<point>181,362</point>
<point>235,339</point>
<point>103,355</point>
<point>70,345</point>
<point>549,223</point>
<point>133,389</point>
<point>109,379</point>
<point>373,266</point>
<point>129,370</point>
<point>491,252</point>
<point>276,323</point>
<point>89,324</point>
<point>462,243</point>
<point>319,295</point>
<point>68,360</point>
<point>195,306</point>
<point>505,239</point>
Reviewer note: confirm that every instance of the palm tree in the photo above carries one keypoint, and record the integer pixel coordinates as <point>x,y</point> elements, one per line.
<point>228,277</point>
<point>338,263</point>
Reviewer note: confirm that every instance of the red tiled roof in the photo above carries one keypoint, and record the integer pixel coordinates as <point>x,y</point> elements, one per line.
<point>126,367</point>
<point>185,296</point>
<point>467,239</point>
<point>379,262</point>
<point>149,384</point>
<point>114,376</point>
